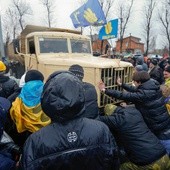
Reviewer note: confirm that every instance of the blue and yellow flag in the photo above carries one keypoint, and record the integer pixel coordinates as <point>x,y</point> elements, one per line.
<point>90,13</point>
<point>109,30</point>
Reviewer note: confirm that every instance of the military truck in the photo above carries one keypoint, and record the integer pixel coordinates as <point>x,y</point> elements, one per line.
<point>50,50</point>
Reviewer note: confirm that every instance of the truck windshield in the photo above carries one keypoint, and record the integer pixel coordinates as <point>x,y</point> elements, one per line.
<point>53,45</point>
<point>80,46</point>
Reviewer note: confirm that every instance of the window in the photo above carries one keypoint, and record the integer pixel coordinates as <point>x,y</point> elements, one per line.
<point>53,45</point>
<point>31,47</point>
<point>79,46</point>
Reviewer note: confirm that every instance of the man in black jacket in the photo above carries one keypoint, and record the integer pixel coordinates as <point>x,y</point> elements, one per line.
<point>155,71</point>
<point>92,110</point>
<point>71,141</point>
<point>142,147</point>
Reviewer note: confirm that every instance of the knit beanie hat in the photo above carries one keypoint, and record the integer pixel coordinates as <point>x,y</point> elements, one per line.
<point>77,70</point>
<point>33,75</point>
<point>109,109</point>
<point>2,66</point>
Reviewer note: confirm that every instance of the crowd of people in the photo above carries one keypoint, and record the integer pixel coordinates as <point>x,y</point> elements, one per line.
<point>57,124</point>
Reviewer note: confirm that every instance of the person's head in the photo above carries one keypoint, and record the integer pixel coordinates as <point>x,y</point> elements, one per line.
<point>153,63</point>
<point>138,68</point>
<point>139,60</point>
<point>63,97</point>
<point>167,72</point>
<point>77,70</point>
<point>32,75</point>
<point>4,108</point>
<point>140,77</point>
<point>2,68</point>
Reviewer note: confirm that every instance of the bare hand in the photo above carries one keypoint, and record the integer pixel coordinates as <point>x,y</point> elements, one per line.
<point>101,85</point>
<point>119,82</point>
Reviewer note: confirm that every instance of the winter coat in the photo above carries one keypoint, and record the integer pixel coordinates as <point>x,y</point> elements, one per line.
<point>92,110</point>
<point>71,141</point>
<point>157,74</point>
<point>141,145</point>
<point>7,86</point>
<point>75,145</point>
<point>149,101</point>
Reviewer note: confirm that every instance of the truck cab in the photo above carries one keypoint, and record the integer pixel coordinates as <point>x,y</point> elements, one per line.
<point>49,51</point>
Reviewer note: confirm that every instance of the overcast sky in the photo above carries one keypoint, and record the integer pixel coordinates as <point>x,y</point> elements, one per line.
<point>65,7</point>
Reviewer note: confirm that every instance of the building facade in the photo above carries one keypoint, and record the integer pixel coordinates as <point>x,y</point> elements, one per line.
<point>130,44</point>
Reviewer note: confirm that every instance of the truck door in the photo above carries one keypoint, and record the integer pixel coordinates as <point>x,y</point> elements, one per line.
<point>31,58</point>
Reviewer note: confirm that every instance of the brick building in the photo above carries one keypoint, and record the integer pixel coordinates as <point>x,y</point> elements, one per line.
<point>97,44</point>
<point>130,44</point>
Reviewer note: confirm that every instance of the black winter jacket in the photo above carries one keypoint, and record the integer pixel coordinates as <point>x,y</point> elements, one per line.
<point>7,86</point>
<point>149,101</point>
<point>78,144</point>
<point>70,142</point>
<point>141,145</point>
<point>157,74</point>
<point>91,105</point>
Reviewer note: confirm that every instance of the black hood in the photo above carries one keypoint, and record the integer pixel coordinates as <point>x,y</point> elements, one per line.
<point>63,96</point>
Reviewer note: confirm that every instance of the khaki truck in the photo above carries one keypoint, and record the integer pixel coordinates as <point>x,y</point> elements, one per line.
<point>52,50</point>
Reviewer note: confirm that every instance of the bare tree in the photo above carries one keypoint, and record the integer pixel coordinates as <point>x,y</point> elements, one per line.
<point>152,44</point>
<point>23,9</point>
<point>164,18</point>
<point>106,6</point>
<point>11,23</point>
<point>148,19</point>
<point>49,5</point>
<point>125,10</point>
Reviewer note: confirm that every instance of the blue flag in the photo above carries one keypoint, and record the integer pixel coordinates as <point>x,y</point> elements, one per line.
<point>90,13</point>
<point>109,30</point>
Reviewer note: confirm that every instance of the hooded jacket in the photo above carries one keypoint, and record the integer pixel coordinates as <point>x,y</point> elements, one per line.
<point>140,61</point>
<point>149,101</point>
<point>70,142</point>
<point>7,86</point>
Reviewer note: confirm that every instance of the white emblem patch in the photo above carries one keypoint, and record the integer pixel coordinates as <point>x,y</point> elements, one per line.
<point>72,137</point>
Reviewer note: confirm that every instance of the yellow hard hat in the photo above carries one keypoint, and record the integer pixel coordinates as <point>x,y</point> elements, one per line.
<point>2,66</point>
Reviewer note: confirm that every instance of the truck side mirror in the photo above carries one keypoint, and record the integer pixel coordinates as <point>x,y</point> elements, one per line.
<point>16,46</point>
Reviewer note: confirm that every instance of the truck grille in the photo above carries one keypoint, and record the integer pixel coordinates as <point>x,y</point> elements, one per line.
<point>109,77</point>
